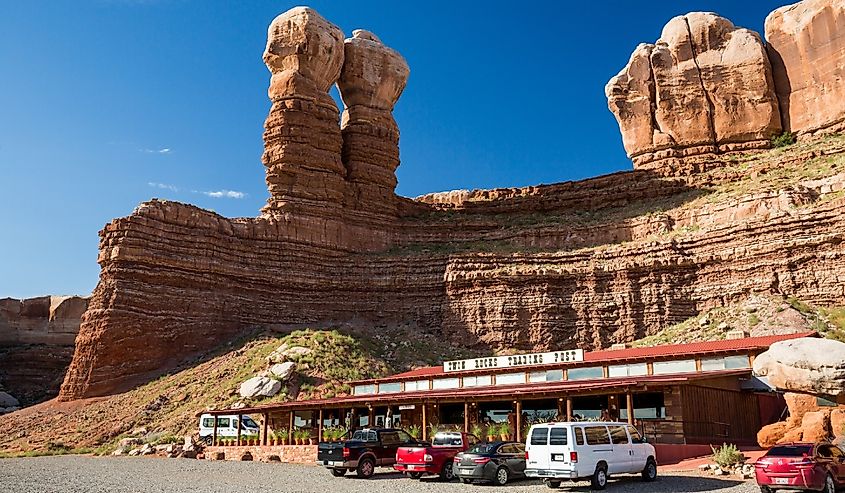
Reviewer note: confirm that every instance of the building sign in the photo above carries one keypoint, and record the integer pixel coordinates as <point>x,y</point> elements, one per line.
<point>406,407</point>
<point>515,361</point>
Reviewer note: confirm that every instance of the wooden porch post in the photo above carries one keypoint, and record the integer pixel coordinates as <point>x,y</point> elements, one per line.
<point>559,408</point>
<point>264,430</point>
<point>568,408</point>
<point>371,416</point>
<point>320,427</point>
<point>630,398</point>
<point>240,422</point>
<point>290,427</point>
<point>466,417</point>
<point>214,436</point>
<point>424,423</point>
<point>518,432</point>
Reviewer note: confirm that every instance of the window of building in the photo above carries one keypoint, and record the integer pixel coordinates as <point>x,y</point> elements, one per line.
<point>416,385</point>
<point>554,375</point>
<point>679,366</point>
<point>537,376</point>
<point>647,405</point>
<point>736,362</point>
<point>389,388</point>
<point>445,383</point>
<point>597,435</point>
<point>713,364</point>
<point>365,389</point>
<point>510,378</point>
<point>557,436</point>
<point>631,370</point>
<point>478,381</point>
<point>586,373</point>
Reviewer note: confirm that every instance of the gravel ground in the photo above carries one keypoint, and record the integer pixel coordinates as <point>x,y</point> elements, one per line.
<point>71,474</point>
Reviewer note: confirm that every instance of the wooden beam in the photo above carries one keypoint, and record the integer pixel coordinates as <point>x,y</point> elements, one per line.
<point>240,422</point>
<point>466,417</point>
<point>559,408</point>
<point>320,427</point>
<point>424,422</point>
<point>630,398</point>
<point>568,408</point>
<point>290,427</point>
<point>518,432</point>
<point>264,429</point>
<point>214,436</point>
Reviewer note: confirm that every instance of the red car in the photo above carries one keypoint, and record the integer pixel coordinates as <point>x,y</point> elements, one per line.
<point>801,466</point>
<point>436,458</point>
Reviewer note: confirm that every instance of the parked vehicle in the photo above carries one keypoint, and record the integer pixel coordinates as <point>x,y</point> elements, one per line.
<point>581,450</point>
<point>418,460</point>
<point>227,427</point>
<point>364,451</point>
<point>801,466</point>
<point>497,462</point>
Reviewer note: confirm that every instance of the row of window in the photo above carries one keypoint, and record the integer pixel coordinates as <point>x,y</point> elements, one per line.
<point>592,435</point>
<point>584,373</point>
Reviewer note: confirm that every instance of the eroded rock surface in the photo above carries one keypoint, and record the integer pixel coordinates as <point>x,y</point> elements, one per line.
<point>704,87</point>
<point>807,52</point>
<point>811,365</point>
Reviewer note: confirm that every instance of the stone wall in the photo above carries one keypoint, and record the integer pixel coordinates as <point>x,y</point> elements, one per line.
<point>293,454</point>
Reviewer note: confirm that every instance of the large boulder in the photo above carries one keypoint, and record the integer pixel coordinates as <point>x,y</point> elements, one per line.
<point>811,365</point>
<point>705,86</point>
<point>7,400</point>
<point>807,53</point>
<point>260,387</point>
<point>282,371</point>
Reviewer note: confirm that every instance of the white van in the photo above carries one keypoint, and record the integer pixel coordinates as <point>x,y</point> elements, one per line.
<point>581,450</point>
<point>227,427</point>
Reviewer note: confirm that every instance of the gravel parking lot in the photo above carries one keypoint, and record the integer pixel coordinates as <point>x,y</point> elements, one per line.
<point>70,474</point>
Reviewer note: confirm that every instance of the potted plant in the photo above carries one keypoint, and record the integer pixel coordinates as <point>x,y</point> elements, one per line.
<point>477,430</point>
<point>282,436</point>
<point>492,431</point>
<point>415,431</point>
<point>505,431</point>
<point>432,430</point>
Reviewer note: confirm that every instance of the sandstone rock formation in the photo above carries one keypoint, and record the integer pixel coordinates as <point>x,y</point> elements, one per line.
<point>584,264</point>
<point>259,387</point>
<point>704,87</point>
<point>36,343</point>
<point>807,52</point>
<point>807,422</point>
<point>811,365</point>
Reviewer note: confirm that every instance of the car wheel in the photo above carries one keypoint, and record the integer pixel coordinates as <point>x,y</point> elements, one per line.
<point>207,439</point>
<point>502,476</point>
<point>415,475</point>
<point>553,484</point>
<point>766,489</point>
<point>599,479</point>
<point>466,480</point>
<point>829,485</point>
<point>447,473</point>
<point>650,471</point>
<point>366,468</point>
<point>338,473</point>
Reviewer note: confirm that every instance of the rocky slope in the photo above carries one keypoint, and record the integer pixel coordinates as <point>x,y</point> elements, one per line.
<point>589,263</point>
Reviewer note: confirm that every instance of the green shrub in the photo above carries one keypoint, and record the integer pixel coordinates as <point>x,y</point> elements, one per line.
<point>415,431</point>
<point>783,140</point>
<point>727,455</point>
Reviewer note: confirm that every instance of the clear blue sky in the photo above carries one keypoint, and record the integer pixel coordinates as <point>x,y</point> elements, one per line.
<point>105,104</point>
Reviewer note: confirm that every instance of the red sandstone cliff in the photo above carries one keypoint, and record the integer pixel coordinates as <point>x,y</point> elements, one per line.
<point>585,263</point>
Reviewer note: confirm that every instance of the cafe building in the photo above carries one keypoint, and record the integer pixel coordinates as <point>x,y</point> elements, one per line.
<point>682,397</point>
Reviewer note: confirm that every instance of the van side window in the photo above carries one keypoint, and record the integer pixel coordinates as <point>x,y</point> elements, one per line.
<point>597,435</point>
<point>558,436</point>
<point>207,422</point>
<point>540,436</point>
<point>635,434</point>
<point>579,436</point>
<point>619,435</point>
<point>222,422</point>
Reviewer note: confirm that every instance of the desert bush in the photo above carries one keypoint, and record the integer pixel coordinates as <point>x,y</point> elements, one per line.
<point>727,455</point>
<point>783,140</point>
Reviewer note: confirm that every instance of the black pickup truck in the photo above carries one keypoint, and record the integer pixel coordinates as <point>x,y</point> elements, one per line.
<point>364,451</point>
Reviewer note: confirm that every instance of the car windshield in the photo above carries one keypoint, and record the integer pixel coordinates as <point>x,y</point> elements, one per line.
<point>249,422</point>
<point>447,439</point>
<point>790,451</point>
<point>482,448</point>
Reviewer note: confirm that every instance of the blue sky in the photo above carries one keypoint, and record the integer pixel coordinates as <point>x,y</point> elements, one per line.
<point>105,104</point>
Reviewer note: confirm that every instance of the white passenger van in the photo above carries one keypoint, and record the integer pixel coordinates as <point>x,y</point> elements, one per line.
<point>227,427</point>
<point>594,450</point>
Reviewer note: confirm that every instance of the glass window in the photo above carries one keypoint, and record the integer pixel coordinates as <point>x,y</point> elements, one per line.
<point>510,378</point>
<point>680,366</point>
<point>597,435</point>
<point>249,422</point>
<point>222,422</point>
<point>416,385</point>
<point>618,435</point>
<point>537,376</point>
<point>713,364</point>
<point>482,448</point>
<point>448,439</point>
<point>478,381</point>
<point>790,450</point>
<point>389,388</point>
<point>635,434</point>
<point>635,369</point>
<point>509,448</point>
<point>579,436</point>
<point>445,383</point>
<point>365,389</point>
<point>390,438</point>
<point>404,437</point>
<point>558,436</point>
<point>208,422</point>
<point>554,375</point>
<point>736,362</point>
<point>540,436</point>
<point>586,373</point>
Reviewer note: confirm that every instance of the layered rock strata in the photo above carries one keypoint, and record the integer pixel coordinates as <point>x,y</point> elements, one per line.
<point>704,87</point>
<point>806,43</point>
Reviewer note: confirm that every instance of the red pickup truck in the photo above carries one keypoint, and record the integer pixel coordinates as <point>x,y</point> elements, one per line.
<point>436,458</point>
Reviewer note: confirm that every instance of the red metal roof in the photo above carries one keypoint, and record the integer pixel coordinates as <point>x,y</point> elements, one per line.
<point>535,390</point>
<point>621,355</point>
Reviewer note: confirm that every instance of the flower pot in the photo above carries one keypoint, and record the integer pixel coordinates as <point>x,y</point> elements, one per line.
<point>505,437</point>
<point>491,438</point>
